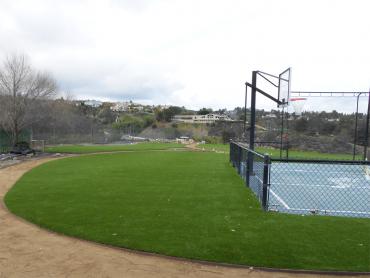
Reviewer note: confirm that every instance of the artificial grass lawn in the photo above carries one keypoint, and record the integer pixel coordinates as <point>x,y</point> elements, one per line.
<point>111,148</point>
<point>186,204</point>
<point>215,147</point>
<point>275,153</point>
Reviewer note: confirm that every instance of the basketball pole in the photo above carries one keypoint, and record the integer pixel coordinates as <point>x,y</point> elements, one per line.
<point>252,125</point>
<point>367,128</point>
<point>287,134</point>
<point>356,120</point>
<point>253,111</point>
<point>282,132</point>
<point>245,113</point>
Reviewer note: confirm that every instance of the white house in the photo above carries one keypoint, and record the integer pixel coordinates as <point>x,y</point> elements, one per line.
<point>93,103</point>
<point>184,140</point>
<point>270,116</point>
<point>120,106</point>
<point>201,119</point>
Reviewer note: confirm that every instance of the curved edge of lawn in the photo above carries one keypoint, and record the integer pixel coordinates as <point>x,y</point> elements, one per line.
<point>191,260</point>
<point>194,258</point>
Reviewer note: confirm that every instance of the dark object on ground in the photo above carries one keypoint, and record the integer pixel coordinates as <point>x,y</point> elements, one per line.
<point>22,148</point>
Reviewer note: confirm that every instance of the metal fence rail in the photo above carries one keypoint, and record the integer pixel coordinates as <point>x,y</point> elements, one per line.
<point>254,168</point>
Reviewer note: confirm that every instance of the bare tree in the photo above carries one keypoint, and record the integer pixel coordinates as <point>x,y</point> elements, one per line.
<point>22,89</point>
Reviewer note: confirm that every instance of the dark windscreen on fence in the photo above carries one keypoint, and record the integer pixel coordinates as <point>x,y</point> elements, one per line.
<point>6,140</point>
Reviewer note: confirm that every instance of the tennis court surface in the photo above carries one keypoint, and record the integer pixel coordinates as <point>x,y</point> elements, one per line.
<point>302,186</point>
<point>340,189</point>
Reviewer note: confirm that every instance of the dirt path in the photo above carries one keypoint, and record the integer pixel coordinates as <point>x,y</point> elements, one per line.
<point>29,251</point>
<point>197,147</point>
<point>193,146</point>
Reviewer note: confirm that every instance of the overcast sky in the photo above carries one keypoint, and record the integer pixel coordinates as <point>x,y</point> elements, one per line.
<point>193,53</point>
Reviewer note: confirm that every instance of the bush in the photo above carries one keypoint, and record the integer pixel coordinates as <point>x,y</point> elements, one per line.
<point>227,136</point>
<point>134,123</point>
<point>213,139</point>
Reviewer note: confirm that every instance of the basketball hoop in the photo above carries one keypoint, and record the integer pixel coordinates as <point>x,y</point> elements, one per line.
<point>297,104</point>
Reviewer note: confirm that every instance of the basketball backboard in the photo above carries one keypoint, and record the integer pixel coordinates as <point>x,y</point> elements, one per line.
<point>284,87</point>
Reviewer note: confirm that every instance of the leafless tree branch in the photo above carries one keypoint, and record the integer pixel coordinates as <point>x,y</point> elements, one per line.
<point>21,89</point>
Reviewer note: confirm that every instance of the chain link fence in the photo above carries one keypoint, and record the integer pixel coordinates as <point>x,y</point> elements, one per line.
<point>339,188</point>
<point>301,186</point>
<point>254,168</point>
<point>6,140</point>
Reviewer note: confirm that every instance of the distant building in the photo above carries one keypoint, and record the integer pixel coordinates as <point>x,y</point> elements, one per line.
<point>184,140</point>
<point>270,116</point>
<point>133,138</point>
<point>93,103</point>
<point>138,107</point>
<point>201,119</point>
<point>120,106</point>
<point>162,107</point>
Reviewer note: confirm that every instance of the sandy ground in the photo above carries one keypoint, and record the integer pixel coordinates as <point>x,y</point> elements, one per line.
<point>29,251</point>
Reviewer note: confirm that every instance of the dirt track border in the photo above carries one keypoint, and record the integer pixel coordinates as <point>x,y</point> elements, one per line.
<point>27,250</point>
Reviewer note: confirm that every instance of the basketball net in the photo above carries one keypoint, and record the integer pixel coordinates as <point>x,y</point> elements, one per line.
<point>297,104</point>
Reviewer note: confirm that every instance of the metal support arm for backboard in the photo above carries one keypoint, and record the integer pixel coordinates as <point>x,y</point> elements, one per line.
<point>252,125</point>
<point>264,93</point>
<point>254,91</point>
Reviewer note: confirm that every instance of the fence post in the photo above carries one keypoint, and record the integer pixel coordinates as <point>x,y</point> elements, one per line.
<point>239,158</point>
<point>249,158</point>
<point>266,181</point>
<point>230,151</point>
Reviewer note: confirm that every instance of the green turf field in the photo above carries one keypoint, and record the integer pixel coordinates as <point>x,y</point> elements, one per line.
<point>185,204</point>
<point>215,147</point>
<point>111,148</point>
<point>275,153</point>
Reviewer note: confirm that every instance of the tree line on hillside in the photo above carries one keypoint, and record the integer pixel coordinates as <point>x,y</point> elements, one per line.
<point>30,106</point>
<point>321,131</point>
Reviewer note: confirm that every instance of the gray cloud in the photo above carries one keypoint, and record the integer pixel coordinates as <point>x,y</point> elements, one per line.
<point>183,52</point>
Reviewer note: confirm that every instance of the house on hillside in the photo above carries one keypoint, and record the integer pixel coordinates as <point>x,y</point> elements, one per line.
<point>269,116</point>
<point>184,140</point>
<point>120,107</point>
<point>201,119</point>
<point>93,103</point>
<point>333,120</point>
